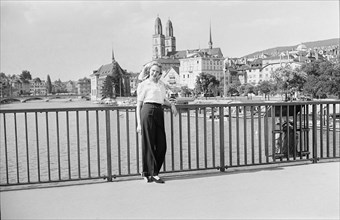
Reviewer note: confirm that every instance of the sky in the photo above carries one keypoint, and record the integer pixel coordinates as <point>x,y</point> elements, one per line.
<point>68,40</point>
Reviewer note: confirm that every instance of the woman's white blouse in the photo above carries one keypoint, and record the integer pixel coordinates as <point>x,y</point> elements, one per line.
<point>149,91</point>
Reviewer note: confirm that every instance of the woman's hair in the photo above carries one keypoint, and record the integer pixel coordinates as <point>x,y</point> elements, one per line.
<point>156,64</point>
<point>145,73</point>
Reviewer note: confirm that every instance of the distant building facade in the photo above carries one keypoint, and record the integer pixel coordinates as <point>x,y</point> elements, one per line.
<point>171,77</point>
<point>209,61</point>
<point>133,83</point>
<point>84,86</point>
<point>255,70</point>
<point>38,87</point>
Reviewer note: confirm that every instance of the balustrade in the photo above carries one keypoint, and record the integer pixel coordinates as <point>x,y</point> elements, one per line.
<point>66,144</point>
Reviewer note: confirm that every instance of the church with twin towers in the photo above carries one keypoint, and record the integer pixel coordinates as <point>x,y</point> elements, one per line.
<point>162,45</point>
<point>181,67</point>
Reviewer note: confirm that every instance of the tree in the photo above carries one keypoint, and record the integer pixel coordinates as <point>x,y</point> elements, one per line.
<point>249,88</point>
<point>323,79</point>
<point>206,83</point>
<point>289,80</point>
<point>49,84</point>
<point>4,85</point>
<point>185,91</point>
<point>265,87</point>
<point>234,88</point>
<point>25,76</point>
<point>108,90</point>
<point>335,88</point>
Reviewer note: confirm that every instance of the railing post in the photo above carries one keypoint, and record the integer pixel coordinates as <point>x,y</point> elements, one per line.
<point>222,159</point>
<point>314,131</point>
<point>108,146</point>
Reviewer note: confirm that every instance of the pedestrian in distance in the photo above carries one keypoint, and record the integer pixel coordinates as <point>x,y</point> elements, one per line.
<point>151,97</point>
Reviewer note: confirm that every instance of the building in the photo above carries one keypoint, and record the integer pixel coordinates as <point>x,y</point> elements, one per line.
<point>189,62</point>
<point>133,83</point>
<point>19,87</point>
<point>171,77</point>
<point>255,71</point>
<point>38,87</point>
<point>209,61</point>
<point>162,45</point>
<point>112,69</point>
<point>84,86</point>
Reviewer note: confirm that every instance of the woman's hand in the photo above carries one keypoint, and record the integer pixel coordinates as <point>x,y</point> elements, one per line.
<point>173,109</point>
<point>139,129</point>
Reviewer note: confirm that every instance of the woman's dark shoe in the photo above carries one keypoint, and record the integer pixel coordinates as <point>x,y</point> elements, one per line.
<point>156,179</point>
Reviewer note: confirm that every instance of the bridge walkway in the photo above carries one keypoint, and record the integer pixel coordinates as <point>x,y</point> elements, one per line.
<point>305,191</point>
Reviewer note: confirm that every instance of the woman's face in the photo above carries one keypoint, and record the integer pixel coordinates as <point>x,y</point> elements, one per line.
<point>155,72</point>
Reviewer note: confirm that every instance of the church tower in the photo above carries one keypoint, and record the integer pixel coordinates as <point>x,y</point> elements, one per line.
<point>158,47</point>
<point>210,39</point>
<point>170,40</point>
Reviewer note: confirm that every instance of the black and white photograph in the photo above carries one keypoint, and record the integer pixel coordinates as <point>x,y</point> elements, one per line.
<point>226,109</point>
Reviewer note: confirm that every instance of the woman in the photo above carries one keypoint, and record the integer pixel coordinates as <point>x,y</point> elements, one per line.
<point>151,95</point>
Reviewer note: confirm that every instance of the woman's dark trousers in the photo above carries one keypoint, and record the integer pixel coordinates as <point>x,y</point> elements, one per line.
<point>153,138</point>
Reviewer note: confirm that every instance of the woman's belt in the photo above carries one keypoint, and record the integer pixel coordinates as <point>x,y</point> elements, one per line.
<point>153,103</point>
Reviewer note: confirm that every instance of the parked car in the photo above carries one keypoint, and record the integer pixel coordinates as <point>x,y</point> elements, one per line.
<point>235,94</point>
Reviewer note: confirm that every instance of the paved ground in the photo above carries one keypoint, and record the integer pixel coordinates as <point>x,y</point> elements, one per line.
<point>309,191</point>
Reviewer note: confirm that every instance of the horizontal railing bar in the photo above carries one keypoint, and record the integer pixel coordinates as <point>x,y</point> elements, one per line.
<point>53,181</point>
<point>183,106</point>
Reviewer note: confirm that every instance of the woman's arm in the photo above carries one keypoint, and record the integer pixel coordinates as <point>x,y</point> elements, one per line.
<point>139,106</point>
<point>171,105</point>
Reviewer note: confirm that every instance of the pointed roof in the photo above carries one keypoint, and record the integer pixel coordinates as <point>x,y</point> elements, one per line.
<point>173,68</point>
<point>169,31</point>
<point>110,69</point>
<point>210,38</point>
<point>158,26</point>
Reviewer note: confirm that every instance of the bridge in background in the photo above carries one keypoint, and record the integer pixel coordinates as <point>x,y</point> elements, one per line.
<point>42,97</point>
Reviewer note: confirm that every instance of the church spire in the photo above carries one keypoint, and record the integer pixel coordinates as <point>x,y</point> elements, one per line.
<point>113,56</point>
<point>210,39</point>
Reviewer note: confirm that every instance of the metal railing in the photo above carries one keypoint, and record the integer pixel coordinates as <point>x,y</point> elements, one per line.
<point>66,144</point>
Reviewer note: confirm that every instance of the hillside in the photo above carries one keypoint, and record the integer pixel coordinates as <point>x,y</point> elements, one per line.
<point>321,43</point>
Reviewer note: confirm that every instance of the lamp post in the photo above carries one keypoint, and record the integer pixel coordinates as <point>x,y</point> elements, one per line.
<point>225,71</point>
